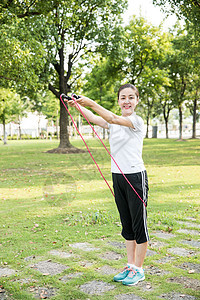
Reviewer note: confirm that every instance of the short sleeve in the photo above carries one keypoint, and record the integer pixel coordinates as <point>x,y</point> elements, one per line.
<point>137,122</point>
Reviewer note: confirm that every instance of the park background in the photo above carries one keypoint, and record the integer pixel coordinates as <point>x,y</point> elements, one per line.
<point>59,227</point>
<point>93,50</point>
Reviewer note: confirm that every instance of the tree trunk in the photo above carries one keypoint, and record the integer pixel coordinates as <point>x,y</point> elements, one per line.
<point>39,131</point>
<point>4,133</point>
<point>180,123</point>
<point>147,132</point>
<point>57,126</point>
<point>64,135</point>
<point>11,131</point>
<point>148,117</point>
<point>166,111</point>
<point>65,145</point>
<point>194,119</point>
<point>166,128</point>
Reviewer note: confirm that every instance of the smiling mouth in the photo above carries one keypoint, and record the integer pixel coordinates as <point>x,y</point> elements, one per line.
<point>127,106</point>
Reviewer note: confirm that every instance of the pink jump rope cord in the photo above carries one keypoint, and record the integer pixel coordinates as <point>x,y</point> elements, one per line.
<point>102,144</point>
<point>86,146</point>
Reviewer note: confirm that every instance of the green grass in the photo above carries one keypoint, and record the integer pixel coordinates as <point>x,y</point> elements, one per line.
<point>49,201</point>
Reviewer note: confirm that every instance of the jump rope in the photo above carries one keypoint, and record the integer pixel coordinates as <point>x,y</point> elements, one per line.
<point>74,98</point>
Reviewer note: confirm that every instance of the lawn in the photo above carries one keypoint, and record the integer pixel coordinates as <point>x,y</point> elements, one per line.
<point>52,201</point>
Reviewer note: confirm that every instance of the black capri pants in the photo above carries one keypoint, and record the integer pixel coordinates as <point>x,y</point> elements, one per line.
<point>132,211</point>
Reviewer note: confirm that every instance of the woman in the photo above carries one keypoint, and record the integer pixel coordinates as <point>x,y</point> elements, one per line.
<point>126,143</point>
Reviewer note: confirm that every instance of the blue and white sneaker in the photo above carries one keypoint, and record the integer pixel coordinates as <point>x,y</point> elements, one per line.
<point>134,277</point>
<point>123,274</point>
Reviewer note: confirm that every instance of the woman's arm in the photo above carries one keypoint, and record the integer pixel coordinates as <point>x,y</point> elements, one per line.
<point>89,115</point>
<point>107,115</point>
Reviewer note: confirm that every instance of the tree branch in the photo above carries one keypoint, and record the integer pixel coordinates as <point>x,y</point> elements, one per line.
<point>57,67</point>
<point>6,77</point>
<point>69,71</point>
<point>54,91</point>
<point>34,13</point>
<point>7,4</point>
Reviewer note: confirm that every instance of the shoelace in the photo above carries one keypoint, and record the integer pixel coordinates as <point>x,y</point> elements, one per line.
<point>125,269</point>
<point>132,273</point>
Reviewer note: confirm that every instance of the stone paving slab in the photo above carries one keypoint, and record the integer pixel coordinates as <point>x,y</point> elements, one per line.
<point>191,219</point>
<point>181,251</point>
<point>107,270</point>
<point>146,286</point>
<point>189,224</point>
<point>151,252</point>
<point>70,276</point>
<point>163,235</point>
<point>128,297</point>
<point>49,268</point>
<point>6,272</point>
<point>188,231</point>
<point>43,292</point>
<point>156,244</point>
<point>60,254</point>
<point>191,243</point>
<point>190,266</point>
<point>30,258</point>
<point>111,255</point>
<point>186,282</point>
<point>166,259</point>
<point>96,287</point>
<point>4,295</point>
<point>119,245</point>
<point>24,280</point>
<point>177,296</point>
<point>151,270</point>
<point>84,246</point>
<point>86,264</point>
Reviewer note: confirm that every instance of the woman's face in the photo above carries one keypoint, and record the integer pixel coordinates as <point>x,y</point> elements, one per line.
<point>127,101</point>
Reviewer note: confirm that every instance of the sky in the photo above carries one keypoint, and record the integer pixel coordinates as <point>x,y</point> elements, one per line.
<point>152,13</point>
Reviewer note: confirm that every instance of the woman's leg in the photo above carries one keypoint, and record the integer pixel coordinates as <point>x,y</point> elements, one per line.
<point>136,253</point>
<point>131,251</point>
<point>140,254</point>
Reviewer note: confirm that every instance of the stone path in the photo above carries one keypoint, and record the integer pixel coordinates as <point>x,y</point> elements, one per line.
<point>112,258</point>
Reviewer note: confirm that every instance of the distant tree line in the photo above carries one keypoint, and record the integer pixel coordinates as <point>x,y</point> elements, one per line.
<point>53,47</point>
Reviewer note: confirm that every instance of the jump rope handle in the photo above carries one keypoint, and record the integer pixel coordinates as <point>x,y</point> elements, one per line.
<point>63,96</point>
<point>75,96</point>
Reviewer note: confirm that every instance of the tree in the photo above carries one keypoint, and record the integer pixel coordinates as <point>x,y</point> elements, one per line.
<point>23,58</point>
<point>165,105</point>
<point>68,31</point>
<point>50,109</point>
<point>187,9</point>
<point>193,100</point>
<point>151,85</point>
<point>192,47</point>
<point>10,108</point>
<point>145,47</point>
<point>182,63</point>
<point>144,44</point>
<point>100,84</point>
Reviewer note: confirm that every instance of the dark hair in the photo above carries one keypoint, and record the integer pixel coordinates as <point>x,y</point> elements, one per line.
<point>128,85</point>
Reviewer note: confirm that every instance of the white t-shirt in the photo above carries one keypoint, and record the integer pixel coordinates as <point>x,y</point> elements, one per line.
<point>126,146</point>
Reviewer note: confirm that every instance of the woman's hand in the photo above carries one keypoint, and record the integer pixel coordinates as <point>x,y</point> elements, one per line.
<point>71,103</point>
<point>84,101</point>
